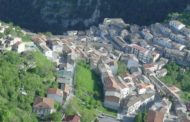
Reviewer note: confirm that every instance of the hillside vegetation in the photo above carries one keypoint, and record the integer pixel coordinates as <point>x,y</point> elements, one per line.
<point>88,95</point>
<point>182,16</point>
<point>22,77</point>
<point>179,77</point>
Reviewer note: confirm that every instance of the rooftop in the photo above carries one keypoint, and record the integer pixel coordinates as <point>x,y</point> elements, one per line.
<point>42,102</point>
<point>154,116</point>
<point>55,91</point>
<point>139,48</point>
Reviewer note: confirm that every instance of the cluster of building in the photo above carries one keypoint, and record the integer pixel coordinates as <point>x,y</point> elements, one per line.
<point>43,107</point>
<point>170,40</point>
<point>119,89</point>
<point>143,50</point>
<point>59,52</point>
<point>160,112</point>
<point>53,50</point>
<point>10,42</point>
<point>127,91</point>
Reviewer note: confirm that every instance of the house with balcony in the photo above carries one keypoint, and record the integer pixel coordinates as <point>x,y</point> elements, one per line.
<point>144,55</point>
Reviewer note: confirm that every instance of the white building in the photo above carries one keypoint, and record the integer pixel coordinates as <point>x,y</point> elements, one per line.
<point>152,67</point>
<point>112,102</point>
<point>142,88</point>
<point>177,25</point>
<point>144,55</point>
<point>19,47</point>
<point>2,29</point>
<point>47,51</point>
<point>132,103</point>
<point>161,73</point>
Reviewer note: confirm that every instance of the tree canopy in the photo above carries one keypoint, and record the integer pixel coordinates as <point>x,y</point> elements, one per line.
<point>22,77</point>
<point>179,77</point>
<point>141,117</point>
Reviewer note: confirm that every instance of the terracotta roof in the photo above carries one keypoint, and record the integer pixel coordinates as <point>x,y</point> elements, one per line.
<point>138,47</point>
<point>148,65</point>
<point>144,85</point>
<point>39,37</point>
<point>72,118</point>
<point>42,102</point>
<point>155,116</point>
<point>110,83</point>
<point>174,89</point>
<point>55,91</point>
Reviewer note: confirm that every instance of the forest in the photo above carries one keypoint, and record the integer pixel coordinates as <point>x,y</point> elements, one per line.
<point>22,78</point>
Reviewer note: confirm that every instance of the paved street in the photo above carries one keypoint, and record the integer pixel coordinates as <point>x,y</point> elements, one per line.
<point>107,119</point>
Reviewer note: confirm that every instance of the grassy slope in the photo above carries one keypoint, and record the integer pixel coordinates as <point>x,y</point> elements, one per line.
<point>89,95</point>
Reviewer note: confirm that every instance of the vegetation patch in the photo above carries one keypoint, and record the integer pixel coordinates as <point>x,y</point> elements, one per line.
<point>14,31</point>
<point>179,77</point>
<point>122,68</point>
<point>88,95</point>
<point>141,117</point>
<point>183,17</point>
<point>22,78</point>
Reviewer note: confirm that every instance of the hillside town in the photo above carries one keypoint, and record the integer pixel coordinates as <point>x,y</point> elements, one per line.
<point>144,50</point>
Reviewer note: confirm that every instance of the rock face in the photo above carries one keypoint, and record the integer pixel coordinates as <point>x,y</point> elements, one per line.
<point>59,15</point>
<point>69,12</point>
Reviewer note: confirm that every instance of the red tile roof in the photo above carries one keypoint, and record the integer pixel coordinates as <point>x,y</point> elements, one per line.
<point>42,102</point>
<point>138,47</point>
<point>148,65</point>
<point>55,91</point>
<point>110,83</point>
<point>155,116</point>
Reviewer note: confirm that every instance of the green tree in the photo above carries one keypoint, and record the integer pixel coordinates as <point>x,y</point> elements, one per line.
<point>14,106</point>
<point>56,117</point>
<point>122,68</point>
<point>139,118</point>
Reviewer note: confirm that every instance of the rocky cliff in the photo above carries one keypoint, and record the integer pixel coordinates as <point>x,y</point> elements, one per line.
<point>59,15</point>
<point>69,12</point>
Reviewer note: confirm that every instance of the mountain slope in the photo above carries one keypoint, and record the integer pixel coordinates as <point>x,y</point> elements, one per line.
<point>59,15</point>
